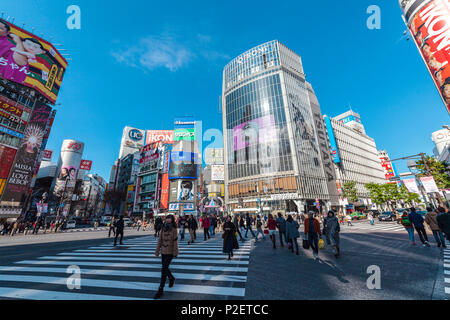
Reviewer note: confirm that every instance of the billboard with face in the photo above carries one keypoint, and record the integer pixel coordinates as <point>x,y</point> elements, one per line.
<point>186,190</point>
<point>68,165</point>
<point>30,60</point>
<point>430,28</point>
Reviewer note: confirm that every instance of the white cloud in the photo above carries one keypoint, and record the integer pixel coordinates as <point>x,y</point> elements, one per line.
<point>154,52</point>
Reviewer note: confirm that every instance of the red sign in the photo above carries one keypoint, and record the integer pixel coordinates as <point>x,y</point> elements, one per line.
<point>74,146</point>
<point>47,155</point>
<point>85,165</point>
<point>6,160</point>
<point>387,166</point>
<point>164,204</point>
<point>9,107</point>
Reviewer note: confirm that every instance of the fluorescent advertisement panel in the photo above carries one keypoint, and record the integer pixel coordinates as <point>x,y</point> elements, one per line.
<point>31,61</point>
<point>260,130</point>
<point>331,137</point>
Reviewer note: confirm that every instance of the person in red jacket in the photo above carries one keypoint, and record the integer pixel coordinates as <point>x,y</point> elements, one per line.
<point>312,232</point>
<point>205,225</point>
<point>272,226</point>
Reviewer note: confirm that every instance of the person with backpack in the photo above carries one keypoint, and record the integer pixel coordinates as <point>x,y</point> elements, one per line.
<point>417,221</point>
<point>331,229</point>
<point>431,220</point>
<point>407,224</point>
<point>443,220</point>
<point>259,229</point>
<point>249,222</point>
<point>206,224</point>
<point>168,247</point>
<point>272,226</point>
<point>312,232</point>
<point>292,233</point>
<point>281,225</point>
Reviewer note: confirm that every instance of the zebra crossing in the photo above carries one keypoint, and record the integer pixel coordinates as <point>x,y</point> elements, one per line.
<point>377,227</point>
<point>129,271</point>
<point>446,262</point>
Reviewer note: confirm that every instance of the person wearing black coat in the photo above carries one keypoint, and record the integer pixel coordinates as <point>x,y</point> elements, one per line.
<point>119,224</point>
<point>192,226</point>
<point>229,238</point>
<point>158,225</point>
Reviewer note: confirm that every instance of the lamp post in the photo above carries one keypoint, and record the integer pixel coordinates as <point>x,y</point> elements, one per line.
<point>412,165</point>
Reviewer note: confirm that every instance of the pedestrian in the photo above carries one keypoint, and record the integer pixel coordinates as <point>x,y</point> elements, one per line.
<point>259,229</point>
<point>443,220</point>
<point>181,221</point>
<point>96,224</point>
<point>272,226</point>
<point>168,247</point>
<point>331,230</point>
<point>312,232</point>
<point>236,224</point>
<point>14,229</point>
<point>281,225</point>
<point>242,225</point>
<point>119,225</point>
<point>292,233</point>
<point>229,238</point>
<point>349,220</point>
<point>144,225</point>
<point>407,224</point>
<point>431,220</point>
<point>211,225</point>
<point>249,222</point>
<point>417,221</point>
<point>158,226</point>
<point>111,227</point>
<point>370,218</point>
<point>206,224</point>
<point>139,224</point>
<point>192,226</point>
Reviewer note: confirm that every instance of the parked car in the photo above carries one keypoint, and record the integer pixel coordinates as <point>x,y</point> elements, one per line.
<point>127,222</point>
<point>70,224</point>
<point>387,216</point>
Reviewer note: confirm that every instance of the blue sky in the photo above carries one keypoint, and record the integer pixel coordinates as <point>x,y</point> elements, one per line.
<point>142,63</point>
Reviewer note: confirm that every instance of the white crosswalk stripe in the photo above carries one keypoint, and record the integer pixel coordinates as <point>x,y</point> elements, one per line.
<point>377,227</point>
<point>129,271</point>
<point>446,262</point>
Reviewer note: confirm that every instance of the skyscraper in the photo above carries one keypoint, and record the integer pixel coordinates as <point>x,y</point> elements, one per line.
<point>272,153</point>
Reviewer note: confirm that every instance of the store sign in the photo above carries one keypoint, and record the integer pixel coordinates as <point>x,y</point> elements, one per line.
<point>11,132</point>
<point>166,136</point>
<point>284,196</point>
<point>186,206</point>
<point>184,134</point>
<point>135,135</point>
<point>85,165</point>
<point>47,155</point>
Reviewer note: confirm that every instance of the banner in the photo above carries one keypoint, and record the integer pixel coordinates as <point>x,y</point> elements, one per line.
<point>19,179</point>
<point>85,165</point>
<point>164,203</point>
<point>30,61</point>
<point>411,185</point>
<point>429,184</point>
<point>430,28</point>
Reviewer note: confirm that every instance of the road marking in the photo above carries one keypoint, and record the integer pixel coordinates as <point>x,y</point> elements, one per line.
<point>124,254</point>
<point>152,251</point>
<point>33,294</point>
<point>132,285</point>
<point>128,273</point>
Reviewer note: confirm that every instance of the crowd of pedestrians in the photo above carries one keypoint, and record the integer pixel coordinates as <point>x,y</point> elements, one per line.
<point>25,227</point>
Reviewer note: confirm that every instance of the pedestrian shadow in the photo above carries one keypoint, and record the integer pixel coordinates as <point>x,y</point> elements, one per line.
<point>335,270</point>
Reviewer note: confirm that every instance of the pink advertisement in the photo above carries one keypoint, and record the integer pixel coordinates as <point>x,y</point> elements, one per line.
<point>260,130</point>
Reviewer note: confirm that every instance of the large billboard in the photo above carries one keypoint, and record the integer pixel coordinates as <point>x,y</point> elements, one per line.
<point>257,131</point>
<point>132,141</point>
<point>21,173</point>
<point>68,165</point>
<point>151,152</point>
<point>183,165</point>
<point>31,61</point>
<point>429,24</point>
<point>217,173</point>
<point>166,136</point>
<point>213,156</point>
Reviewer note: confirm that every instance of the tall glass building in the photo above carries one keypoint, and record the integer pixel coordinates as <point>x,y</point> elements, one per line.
<point>273,159</point>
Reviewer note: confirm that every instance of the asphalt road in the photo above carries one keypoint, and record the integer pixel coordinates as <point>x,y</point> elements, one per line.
<point>35,267</point>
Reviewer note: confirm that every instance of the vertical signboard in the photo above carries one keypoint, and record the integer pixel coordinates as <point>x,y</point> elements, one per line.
<point>332,139</point>
<point>18,183</point>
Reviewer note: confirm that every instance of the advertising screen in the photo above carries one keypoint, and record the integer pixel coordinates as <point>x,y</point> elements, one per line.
<point>430,28</point>
<point>183,165</point>
<point>31,61</point>
<point>166,136</point>
<point>260,130</point>
<point>22,170</point>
